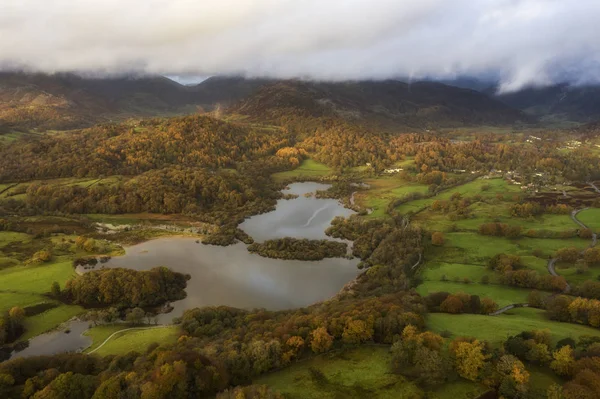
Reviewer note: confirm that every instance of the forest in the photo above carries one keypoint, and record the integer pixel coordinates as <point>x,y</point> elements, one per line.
<point>434,204</point>
<point>301,249</point>
<point>125,288</point>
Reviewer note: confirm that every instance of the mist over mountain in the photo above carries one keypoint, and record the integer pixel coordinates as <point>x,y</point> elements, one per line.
<point>521,42</point>
<point>559,102</point>
<point>385,103</point>
<point>66,101</point>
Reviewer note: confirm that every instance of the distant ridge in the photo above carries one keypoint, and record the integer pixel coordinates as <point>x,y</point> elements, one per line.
<point>66,101</point>
<point>390,102</point>
<point>559,102</point>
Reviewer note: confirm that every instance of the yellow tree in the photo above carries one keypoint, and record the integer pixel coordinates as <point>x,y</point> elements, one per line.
<point>321,340</point>
<point>469,358</point>
<point>563,362</point>
<point>356,331</point>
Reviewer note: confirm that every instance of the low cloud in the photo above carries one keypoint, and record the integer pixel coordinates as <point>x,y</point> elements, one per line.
<point>521,42</point>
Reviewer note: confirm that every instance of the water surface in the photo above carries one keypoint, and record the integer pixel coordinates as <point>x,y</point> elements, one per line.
<point>233,276</point>
<point>302,217</point>
<point>58,341</point>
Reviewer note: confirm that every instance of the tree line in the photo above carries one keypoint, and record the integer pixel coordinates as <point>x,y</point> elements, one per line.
<point>125,288</point>
<point>301,249</point>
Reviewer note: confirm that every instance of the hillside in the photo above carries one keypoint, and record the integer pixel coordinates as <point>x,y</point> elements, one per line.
<point>558,102</point>
<point>65,101</point>
<point>388,103</point>
<point>36,102</point>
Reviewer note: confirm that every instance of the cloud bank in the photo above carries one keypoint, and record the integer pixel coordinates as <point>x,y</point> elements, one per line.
<point>520,42</point>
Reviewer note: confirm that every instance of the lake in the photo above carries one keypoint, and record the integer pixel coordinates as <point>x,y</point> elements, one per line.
<point>231,275</point>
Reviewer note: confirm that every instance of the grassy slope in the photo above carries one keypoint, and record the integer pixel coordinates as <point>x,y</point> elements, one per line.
<point>503,295</point>
<point>385,189</point>
<point>25,286</point>
<point>497,328</point>
<point>494,187</point>
<point>496,211</point>
<point>308,168</point>
<point>591,218</point>
<point>48,320</point>
<point>135,340</point>
<point>363,372</point>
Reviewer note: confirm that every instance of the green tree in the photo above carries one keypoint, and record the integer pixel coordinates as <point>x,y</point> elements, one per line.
<point>136,315</point>
<point>55,289</point>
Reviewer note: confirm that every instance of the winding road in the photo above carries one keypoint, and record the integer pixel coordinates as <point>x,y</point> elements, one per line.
<point>509,307</point>
<point>552,262</point>
<point>126,329</point>
<point>591,183</point>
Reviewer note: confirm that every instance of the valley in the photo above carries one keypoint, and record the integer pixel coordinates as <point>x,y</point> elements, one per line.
<point>316,238</point>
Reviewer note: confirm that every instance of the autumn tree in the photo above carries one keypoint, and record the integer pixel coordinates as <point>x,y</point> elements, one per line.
<point>321,340</point>
<point>295,344</point>
<point>591,256</point>
<point>356,331</point>
<point>420,355</point>
<point>488,306</point>
<point>437,238</point>
<point>452,304</point>
<point>563,362</point>
<point>568,254</point>
<point>535,300</point>
<point>515,378</point>
<point>469,358</point>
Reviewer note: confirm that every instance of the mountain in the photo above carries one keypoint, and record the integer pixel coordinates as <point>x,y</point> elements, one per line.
<point>30,102</point>
<point>66,101</point>
<point>558,102</point>
<point>391,103</point>
<point>466,82</point>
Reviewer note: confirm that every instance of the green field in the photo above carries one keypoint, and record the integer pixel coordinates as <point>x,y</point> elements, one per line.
<point>364,372</point>
<point>436,270</point>
<point>501,294</point>
<point>496,329</point>
<point>307,169</point>
<point>487,188</point>
<point>43,322</point>
<point>473,248</point>
<point>28,285</point>
<point>384,190</point>
<point>35,278</point>
<point>493,211</point>
<point>591,218</point>
<point>134,340</point>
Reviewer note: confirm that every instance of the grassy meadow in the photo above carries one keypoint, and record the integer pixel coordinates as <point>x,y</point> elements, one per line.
<point>307,169</point>
<point>496,329</point>
<point>364,372</point>
<point>127,341</point>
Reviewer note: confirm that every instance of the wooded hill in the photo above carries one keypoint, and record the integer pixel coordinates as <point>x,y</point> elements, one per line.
<point>66,101</point>
<point>561,102</point>
<point>385,103</point>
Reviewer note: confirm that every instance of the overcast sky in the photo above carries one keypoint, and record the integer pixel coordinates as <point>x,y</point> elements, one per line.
<point>520,41</point>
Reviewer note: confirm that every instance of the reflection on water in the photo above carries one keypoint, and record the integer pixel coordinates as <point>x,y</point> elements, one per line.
<point>299,218</point>
<point>232,276</point>
<point>58,341</point>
